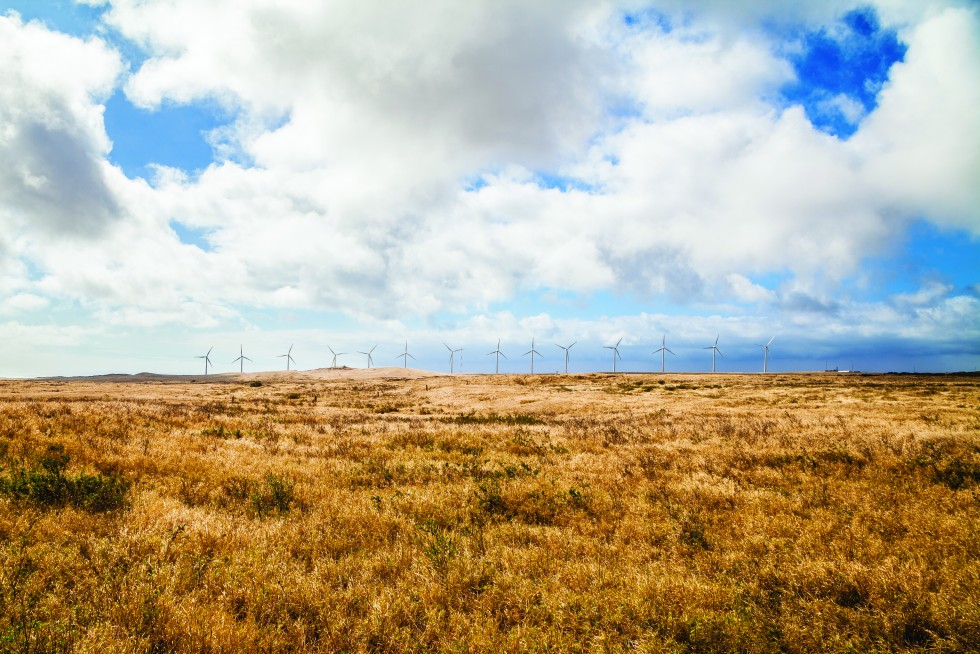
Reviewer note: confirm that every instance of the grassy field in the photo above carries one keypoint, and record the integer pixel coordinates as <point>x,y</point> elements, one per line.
<point>677,513</point>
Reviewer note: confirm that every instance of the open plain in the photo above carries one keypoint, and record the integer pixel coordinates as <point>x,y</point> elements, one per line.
<point>398,511</point>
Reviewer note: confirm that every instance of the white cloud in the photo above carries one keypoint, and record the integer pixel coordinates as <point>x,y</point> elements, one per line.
<point>678,75</point>
<point>921,147</point>
<point>51,135</point>
<point>22,303</point>
<point>346,181</point>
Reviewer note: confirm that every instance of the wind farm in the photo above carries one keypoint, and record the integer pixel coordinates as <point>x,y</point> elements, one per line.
<point>637,363</point>
<point>386,187</point>
<point>478,477</point>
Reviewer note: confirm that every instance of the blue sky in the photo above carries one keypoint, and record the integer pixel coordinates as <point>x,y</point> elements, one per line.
<point>186,175</point>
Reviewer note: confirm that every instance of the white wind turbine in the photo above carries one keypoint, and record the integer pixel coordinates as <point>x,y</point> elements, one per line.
<point>615,349</point>
<point>714,348</point>
<point>452,357</point>
<point>532,352</point>
<point>368,355</point>
<point>405,355</point>
<point>566,348</point>
<point>499,354</point>
<point>663,352</point>
<point>241,358</point>
<point>765,355</point>
<point>288,356</point>
<point>207,359</point>
<point>335,355</point>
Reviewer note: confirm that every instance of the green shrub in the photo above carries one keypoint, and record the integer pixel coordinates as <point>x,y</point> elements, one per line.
<point>45,485</point>
<point>276,495</point>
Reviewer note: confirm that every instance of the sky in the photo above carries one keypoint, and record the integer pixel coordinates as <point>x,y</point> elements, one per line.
<point>255,175</point>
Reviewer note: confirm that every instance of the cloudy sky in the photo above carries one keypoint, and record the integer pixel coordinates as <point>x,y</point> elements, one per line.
<point>185,174</point>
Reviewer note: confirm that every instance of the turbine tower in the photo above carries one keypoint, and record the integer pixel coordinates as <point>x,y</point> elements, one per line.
<point>452,357</point>
<point>207,359</point>
<point>335,355</point>
<point>714,348</point>
<point>241,359</point>
<point>288,356</point>
<point>566,348</point>
<point>499,354</point>
<point>615,349</point>
<point>532,352</point>
<point>663,352</point>
<point>368,355</point>
<point>405,355</point>
<point>765,355</point>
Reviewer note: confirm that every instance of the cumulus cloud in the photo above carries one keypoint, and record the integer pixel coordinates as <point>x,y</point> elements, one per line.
<point>397,162</point>
<point>389,109</point>
<point>921,147</point>
<point>52,139</point>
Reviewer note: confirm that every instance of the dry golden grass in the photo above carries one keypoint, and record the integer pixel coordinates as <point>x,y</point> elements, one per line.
<point>701,513</point>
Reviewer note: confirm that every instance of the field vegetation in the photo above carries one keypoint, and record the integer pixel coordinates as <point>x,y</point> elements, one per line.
<point>553,513</point>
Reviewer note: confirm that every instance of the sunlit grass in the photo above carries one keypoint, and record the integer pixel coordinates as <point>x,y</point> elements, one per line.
<point>548,513</point>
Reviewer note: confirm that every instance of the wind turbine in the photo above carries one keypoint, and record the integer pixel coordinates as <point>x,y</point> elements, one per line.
<point>663,352</point>
<point>368,355</point>
<point>288,355</point>
<point>452,357</point>
<point>207,360</point>
<point>404,355</point>
<point>566,353</point>
<point>241,359</point>
<point>765,355</point>
<point>499,354</point>
<point>532,352</point>
<point>714,348</point>
<point>615,349</point>
<point>335,355</point>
